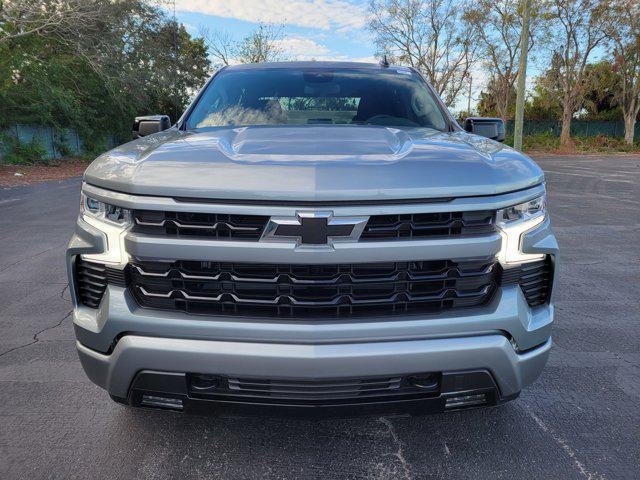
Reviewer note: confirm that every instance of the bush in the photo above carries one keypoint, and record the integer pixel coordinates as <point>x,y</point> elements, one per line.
<point>19,153</point>
<point>61,143</point>
<point>94,147</point>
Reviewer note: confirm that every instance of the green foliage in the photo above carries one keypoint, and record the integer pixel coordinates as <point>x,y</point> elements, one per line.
<point>60,143</point>
<point>601,92</point>
<point>98,75</point>
<point>17,153</point>
<point>545,103</point>
<point>93,147</point>
<point>488,103</point>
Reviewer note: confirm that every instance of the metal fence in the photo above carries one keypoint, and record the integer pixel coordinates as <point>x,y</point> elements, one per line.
<point>57,142</point>
<point>583,128</point>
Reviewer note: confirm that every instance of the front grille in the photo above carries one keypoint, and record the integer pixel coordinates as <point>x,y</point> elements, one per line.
<point>209,225</point>
<point>218,226</point>
<point>92,279</point>
<point>534,278</point>
<point>341,390</point>
<point>420,225</point>
<point>303,291</point>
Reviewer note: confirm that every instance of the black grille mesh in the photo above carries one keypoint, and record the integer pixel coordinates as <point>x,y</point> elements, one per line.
<point>250,227</point>
<point>534,278</point>
<point>420,225</point>
<point>209,225</point>
<point>349,390</point>
<point>301,291</point>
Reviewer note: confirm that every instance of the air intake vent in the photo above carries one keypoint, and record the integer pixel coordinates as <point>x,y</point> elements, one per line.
<point>92,279</point>
<point>310,392</point>
<point>534,278</point>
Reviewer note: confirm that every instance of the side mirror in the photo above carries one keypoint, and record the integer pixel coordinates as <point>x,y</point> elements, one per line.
<point>143,126</point>
<point>492,128</point>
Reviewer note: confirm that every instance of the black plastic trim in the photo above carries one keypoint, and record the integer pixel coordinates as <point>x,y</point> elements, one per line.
<point>175,385</point>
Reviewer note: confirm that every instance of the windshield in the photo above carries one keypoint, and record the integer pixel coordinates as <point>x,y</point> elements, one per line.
<point>308,96</point>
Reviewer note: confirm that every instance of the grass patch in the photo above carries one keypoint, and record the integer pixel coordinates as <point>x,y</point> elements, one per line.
<point>548,143</point>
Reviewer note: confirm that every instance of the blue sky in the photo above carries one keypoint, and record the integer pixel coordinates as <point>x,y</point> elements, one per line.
<point>320,29</point>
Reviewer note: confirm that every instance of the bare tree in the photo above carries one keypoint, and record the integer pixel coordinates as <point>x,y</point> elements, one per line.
<point>221,46</point>
<point>19,18</point>
<point>432,36</point>
<point>579,25</point>
<point>498,24</point>
<point>261,45</point>
<point>623,32</point>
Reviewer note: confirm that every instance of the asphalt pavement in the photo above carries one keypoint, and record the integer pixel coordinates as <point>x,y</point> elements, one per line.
<point>580,420</point>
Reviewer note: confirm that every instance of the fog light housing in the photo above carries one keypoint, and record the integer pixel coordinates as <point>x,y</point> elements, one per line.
<point>470,400</point>
<point>157,401</point>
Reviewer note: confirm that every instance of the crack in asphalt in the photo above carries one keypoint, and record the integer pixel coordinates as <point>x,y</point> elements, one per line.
<point>580,467</point>
<point>66,287</point>
<point>31,257</point>
<point>399,453</point>
<point>35,335</point>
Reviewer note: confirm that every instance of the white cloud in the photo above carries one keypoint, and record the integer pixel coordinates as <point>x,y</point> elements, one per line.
<point>302,48</point>
<point>322,14</point>
<point>190,28</point>
<point>369,59</point>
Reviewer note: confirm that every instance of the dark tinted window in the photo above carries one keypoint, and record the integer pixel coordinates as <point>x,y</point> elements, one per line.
<point>289,96</point>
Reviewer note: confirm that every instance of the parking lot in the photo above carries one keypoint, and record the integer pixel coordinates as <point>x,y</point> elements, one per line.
<point>580,420</point>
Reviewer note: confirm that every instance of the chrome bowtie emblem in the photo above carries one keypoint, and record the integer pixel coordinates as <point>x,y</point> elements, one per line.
<point>314,228</point>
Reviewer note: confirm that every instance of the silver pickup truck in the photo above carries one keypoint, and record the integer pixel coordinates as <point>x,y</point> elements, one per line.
<point>313,237</point>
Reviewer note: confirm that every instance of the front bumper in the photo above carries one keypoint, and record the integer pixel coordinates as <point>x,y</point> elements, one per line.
<point>115,372</point>
<point>506,338</point>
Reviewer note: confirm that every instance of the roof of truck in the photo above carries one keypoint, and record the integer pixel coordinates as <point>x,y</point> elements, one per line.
<point>311,64</point>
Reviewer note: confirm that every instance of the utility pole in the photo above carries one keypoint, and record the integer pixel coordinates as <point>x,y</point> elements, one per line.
<point>469,97</point>
<point>174,91</point>
<point>522,77</point>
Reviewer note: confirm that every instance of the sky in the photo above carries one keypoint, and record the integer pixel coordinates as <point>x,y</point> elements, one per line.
<point>318,29</point>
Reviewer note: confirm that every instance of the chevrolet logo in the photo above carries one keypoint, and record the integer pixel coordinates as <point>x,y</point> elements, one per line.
<point>314,228</point>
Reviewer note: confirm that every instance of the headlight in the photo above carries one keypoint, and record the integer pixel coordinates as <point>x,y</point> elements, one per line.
<point>523,212</point>
<point>111,220</point>
<point>104,211</point>
<point>513,222</point>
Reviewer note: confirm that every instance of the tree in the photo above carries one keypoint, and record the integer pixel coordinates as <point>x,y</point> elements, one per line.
<point>432,36</point>
<point>496,103</point>
<point>547,92</point>
<point>623,32</point>
<point>20,18</point>
<point>498,23</point>
<point>96,75</point>
<point>602,84</point>
<point>261,45</point>
<point>579,31</point>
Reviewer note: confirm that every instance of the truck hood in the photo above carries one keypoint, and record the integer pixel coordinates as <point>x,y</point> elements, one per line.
<point>313,163</point>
